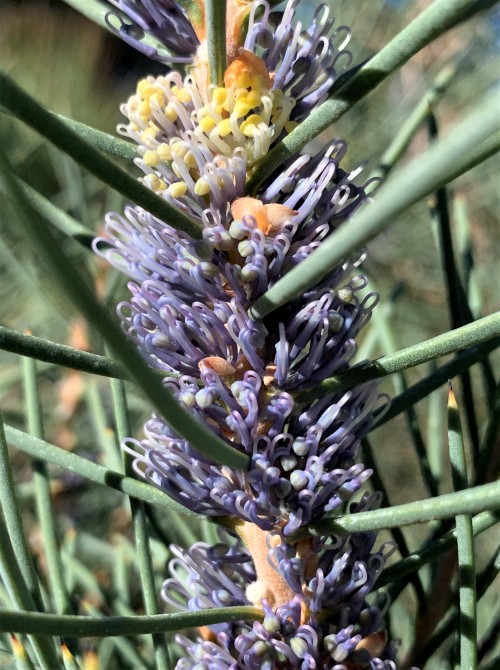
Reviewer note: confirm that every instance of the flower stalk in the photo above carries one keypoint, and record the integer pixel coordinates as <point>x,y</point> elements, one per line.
<point>216,40</point>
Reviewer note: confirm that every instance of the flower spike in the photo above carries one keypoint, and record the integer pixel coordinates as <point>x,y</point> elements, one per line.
<point>188,312</point>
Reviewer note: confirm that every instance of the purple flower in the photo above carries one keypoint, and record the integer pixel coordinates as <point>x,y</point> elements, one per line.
<point>189,314</point>
<point>162,19</point>
<point>185,128</point>
<point>305,63</point>
<point>204,577</point>
<point>293,634</point>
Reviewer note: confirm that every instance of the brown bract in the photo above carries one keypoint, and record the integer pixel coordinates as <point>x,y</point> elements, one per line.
<point>269,218</point>
<point>219,365</point>
<point>245,62</point>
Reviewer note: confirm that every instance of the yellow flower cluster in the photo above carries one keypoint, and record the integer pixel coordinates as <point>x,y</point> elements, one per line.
<point>180,128</point>
<point>245,112</point>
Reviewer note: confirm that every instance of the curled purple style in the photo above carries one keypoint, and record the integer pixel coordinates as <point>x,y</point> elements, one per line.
<point>162,19</point>
<point>189,304</point>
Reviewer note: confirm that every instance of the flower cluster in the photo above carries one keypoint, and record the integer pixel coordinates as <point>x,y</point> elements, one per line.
<point>188,313</point>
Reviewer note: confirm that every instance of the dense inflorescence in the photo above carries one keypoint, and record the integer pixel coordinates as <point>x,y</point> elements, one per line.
<point>188,313</point>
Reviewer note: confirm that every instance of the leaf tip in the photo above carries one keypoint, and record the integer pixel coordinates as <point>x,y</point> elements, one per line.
<point>452,399</point>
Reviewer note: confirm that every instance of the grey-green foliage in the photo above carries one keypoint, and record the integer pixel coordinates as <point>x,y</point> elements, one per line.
<point>104,573</point>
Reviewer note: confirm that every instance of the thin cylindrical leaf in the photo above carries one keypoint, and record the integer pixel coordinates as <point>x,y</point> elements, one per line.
<point>92,471</point>
<point>465,543</point>
<point>422,176</point>
<point>434,436</point>
<point>104,437</point>
<point>14,523</point>
<point>461,338</point>
<point>125,649</point>
<point>67,276</point>
<point>399,570</point>
<point>400,540</point>
<point>436,379</point>
<point>439,17</point>
<point>111,145</point>
<point>417,117</point>
<point>43,496</point>
<point>20,595</point>
<point>84,626</point>
<point>60,354</point>
<point>458,307</point>
<point>449,626</point>
<point>144,560</point>
<point>215,17</point>
<point>472,501</point>
<point>23,661</point>
<point>489,458</point>
<point>24,107</point>
<point>56,216</point>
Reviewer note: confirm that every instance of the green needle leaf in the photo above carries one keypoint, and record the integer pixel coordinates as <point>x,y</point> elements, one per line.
<point>215,11</point>
<point>57,217</point>
<point>412,124</point>
<point>399,538</point>
<point>488,455</point>
<point>92,471</point>
<point>465,543</point>
<point>448,625</point>
<point>472,501</point>
<point>43,496</point>
<point>427,553</point>
<point>60,354</point>
<point>421,177</point>
<point>14,524</point>
<point>16,567</point>
<point>423,388</point>
<point>84,626</point>
<point>481,330</point>
<point>139,523</point>
<point>114,146</point>
<point>459,310</point>
<point>14,583</point>
<point>67,276</point>
<point>439,17</point>
<point>24,107</point>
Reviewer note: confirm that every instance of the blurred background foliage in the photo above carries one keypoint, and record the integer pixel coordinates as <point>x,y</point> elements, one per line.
<point>79,70</point>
